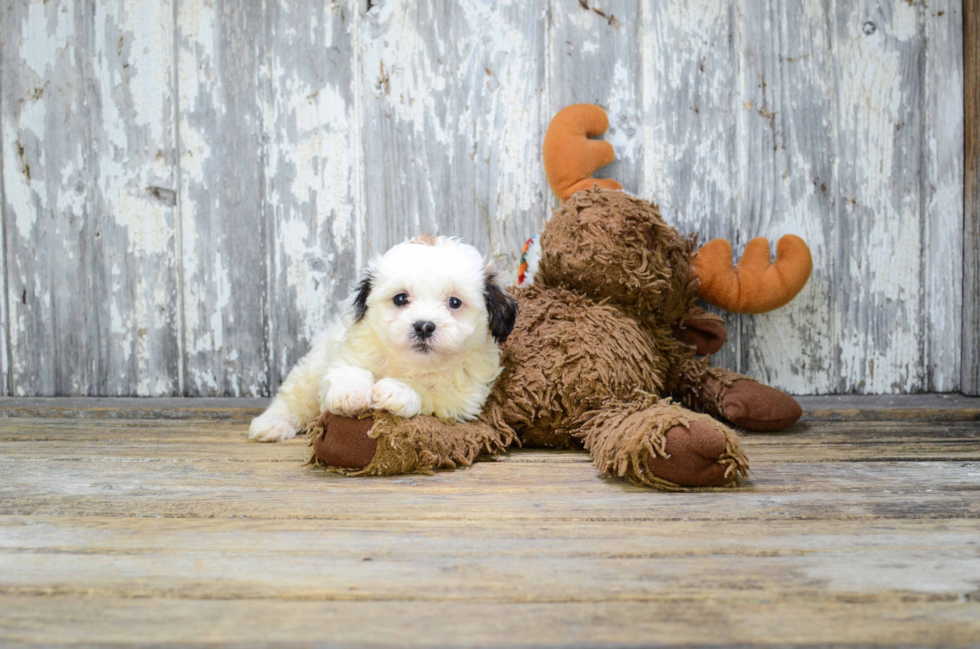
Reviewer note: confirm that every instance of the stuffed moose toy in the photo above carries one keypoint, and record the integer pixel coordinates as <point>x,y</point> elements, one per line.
<point>607,351</point>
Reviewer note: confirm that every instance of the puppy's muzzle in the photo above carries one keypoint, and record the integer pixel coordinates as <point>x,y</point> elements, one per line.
<point>424,329</point>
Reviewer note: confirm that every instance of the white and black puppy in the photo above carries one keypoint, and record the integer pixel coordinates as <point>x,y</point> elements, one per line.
<point>419,337</point>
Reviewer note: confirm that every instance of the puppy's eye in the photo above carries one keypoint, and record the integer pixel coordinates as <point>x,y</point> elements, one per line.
<point>401,299</point>
<point>455,303</point>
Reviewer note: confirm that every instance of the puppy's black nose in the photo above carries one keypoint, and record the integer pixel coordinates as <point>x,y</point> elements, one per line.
<point>423,329</point>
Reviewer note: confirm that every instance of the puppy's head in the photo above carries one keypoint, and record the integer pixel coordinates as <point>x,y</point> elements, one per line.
<point>433,297</point>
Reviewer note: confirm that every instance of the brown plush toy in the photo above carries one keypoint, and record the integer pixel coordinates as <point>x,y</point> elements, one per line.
<point>606,338</point>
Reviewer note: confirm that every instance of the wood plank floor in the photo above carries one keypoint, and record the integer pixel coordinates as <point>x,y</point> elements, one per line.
<point>155,521</point>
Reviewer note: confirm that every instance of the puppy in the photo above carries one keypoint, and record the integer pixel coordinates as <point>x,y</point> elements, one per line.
<point>419,335</point>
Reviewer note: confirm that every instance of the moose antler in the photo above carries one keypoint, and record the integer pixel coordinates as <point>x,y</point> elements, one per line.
<point>757,285</point>
<point>570,157</point>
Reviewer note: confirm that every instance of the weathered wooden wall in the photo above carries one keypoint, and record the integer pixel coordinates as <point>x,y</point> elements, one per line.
<point>970,381</point>
<point>189,186</point>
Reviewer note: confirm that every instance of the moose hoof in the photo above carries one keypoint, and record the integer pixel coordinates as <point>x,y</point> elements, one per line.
<point>344,442</point>
<point>759,407</point>
<point>692,456</point>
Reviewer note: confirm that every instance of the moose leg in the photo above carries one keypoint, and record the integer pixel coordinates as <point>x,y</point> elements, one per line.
<point>384,444</point>
<point>660,444</point>
<point>741,400</point>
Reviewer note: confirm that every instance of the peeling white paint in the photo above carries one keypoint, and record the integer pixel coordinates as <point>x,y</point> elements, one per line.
<point>943,300</point>
<point>17,187</point>
<point>785,157</point>
<point>150,42</point>
<point>371,124</point>
<point>687,120</point>
<point>409,76</point>
<point>41,40</point>
<point>904,20</point>
<point>879,346</point>
<point>310,168</point>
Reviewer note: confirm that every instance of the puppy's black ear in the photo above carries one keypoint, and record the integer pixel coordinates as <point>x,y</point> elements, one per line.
<point>501,307</point>
<point>361,296</point>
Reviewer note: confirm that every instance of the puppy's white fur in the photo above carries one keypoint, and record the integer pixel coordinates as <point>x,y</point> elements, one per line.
<point>372,357</point>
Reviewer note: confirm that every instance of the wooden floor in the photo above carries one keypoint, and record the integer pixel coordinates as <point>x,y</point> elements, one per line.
<point>155,521</point>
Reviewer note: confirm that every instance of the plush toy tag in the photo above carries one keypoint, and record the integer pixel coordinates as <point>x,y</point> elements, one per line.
<point>530,256</point>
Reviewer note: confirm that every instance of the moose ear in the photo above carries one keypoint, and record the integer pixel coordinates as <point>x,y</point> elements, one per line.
<point>361,294</point>
<point>501,308</point>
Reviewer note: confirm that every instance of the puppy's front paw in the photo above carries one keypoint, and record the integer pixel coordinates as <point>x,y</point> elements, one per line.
<point>397,398</point>
<point>348,402</point>
<point>272,427</point>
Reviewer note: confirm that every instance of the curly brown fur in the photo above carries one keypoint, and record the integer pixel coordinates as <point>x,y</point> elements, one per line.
<point>707,387</point>
<point>422,444</point>
<point>623,438</point>
<point>596,329</point>
<point>597,323</point>
<point>613,246</point>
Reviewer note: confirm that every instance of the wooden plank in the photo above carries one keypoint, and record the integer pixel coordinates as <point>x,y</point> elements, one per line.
<point>117,536</point>
<point>179,469</point>
<point>595,57</point>
<point>283,472</point>
<point>457,496</point>
<point>363,505</point>
<point>763,621</point>
<point>867,431</point>
<point>224,235</point>
<point>312,171</point>
<point>904,407</point>
<point>942,199</point>
<point>690,149</point>
<point>45,358</point>
<point>499,110</point>
<point>88,149</point>
<point>407,127</point>
<point>4,308</point>
<point>475,561</point>
<point>135,204</point>
<point>879,68</point>
<point>452,124</point>
<point>140,442</point>
<point>242,408</point>
<point>785,182</point>
<point>958,445</point>
<point>970,368</point>
<point>899,406</point>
